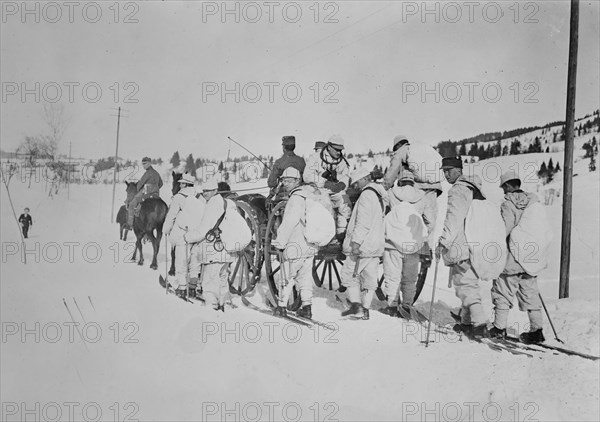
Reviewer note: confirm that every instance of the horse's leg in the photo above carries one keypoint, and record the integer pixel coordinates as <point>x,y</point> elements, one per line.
<point>153,239</point>
<point>120,231</point>
<point>138,245</point>
<point>172,269</point>
<point>125,234</point>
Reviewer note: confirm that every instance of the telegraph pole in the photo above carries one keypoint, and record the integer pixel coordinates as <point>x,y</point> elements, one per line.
<point>112,210</point>
<point>565,257</point>
<point>69,174</point>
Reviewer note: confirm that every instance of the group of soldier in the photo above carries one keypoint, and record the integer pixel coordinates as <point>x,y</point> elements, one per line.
<point>392,221</point>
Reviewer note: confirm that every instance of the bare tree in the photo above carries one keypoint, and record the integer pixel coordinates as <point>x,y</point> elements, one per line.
<point>55,119</point>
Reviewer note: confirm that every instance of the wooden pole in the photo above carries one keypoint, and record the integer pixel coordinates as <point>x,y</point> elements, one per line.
<point>69,174</point>
<point>112,209</point>
<point>565,257</point>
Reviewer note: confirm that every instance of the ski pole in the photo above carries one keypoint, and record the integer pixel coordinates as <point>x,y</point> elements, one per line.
<point>437,261</point>
<point>166,265</point>
<point>283,273</point>
<point>550,320</point>
<point>187,271</point>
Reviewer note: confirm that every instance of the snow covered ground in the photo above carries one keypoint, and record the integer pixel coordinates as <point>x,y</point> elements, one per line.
<point>150,357</point>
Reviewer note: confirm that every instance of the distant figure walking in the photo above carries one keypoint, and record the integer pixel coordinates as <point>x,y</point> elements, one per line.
<point>26,221</point>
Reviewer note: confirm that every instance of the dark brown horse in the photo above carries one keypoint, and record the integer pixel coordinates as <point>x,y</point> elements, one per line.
<point>151,218</point>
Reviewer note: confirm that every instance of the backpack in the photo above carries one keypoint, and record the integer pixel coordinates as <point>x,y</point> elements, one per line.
<point>486,233</point>
<point>319,224</point>
<point>235,232</point>
<point>405,228</point>
<point>425,163</point>
<point>529,240</point>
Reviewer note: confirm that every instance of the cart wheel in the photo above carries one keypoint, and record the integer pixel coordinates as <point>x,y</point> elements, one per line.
<point>248,262</point>
<point>271,257</point>
<point>327,265</point>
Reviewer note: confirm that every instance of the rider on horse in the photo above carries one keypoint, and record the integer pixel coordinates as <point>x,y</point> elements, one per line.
<point>149,185</point>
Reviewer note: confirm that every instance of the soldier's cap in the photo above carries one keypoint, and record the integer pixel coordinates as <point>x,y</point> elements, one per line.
<point>359,173</point>
<point>187,178</point>
<point>400,140</point>
<point>146,160</point>
<point>452,162</point>
<point>336,142</point>
<point>320,144</point>
<point>210,185</point>
<point>508,176</point>
<point>291,172</point>
<point>288,140</point>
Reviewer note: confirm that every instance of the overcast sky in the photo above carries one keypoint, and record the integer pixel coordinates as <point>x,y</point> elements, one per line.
<point>360,67</point>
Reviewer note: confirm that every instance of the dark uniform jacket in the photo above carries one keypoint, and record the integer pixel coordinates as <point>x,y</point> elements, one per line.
<point>289,159</point>
<point>152,180</point>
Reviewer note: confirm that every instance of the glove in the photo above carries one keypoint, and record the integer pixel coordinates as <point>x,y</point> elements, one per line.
<point>427,256</point>
<point>354,249</point>
<point>330,175</point>
<point>439,250</point>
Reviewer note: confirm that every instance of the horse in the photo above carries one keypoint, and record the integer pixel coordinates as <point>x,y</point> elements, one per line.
<point>175,187</point>
<point>122,221</point>
<point>152,215</point>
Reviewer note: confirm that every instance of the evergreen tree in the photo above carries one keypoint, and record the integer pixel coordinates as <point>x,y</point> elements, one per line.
<point>515,147</point>
<point>543,172</point>
<point>175,160</point>
<point>550,167</point>
<point>221,166</point>
<point>462,151</point>
<point>190,165</point>
<point>557,168</point>
<point>235,168</point>
<point>505,150</point>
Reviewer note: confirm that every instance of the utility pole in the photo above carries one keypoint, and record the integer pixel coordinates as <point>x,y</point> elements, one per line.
<point>565,257</point>
<point>69,174</point>
<point>112,209</point>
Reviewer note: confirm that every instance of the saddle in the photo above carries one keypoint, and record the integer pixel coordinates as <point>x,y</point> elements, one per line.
<point>136,210</point>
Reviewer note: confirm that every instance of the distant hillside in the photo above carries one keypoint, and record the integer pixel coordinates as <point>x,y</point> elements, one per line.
<point>547,138</point>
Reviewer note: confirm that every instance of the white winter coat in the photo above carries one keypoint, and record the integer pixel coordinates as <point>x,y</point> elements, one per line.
<point>366,223</point>
<point>185,210</point>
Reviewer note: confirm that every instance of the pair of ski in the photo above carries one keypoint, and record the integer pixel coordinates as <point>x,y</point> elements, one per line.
<point>516,346</point>
<point>163,284</point>
<point>290,317</point>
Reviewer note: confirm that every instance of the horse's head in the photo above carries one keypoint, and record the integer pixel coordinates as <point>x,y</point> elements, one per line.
<point>176,187</point>
<point>131,189</point>
<point>224,189</point>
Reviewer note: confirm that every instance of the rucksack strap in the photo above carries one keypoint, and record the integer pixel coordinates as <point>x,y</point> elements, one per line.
<point>378,197</point>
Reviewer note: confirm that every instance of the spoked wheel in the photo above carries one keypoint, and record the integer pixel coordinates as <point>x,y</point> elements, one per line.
<point>271,257</point>
<point>248,262</point>
<point>327,266</point>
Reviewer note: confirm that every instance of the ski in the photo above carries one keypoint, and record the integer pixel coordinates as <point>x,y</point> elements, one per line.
<point>499,346</point>
<point>163,284</point>
<point>307,320</point>
<point>289,318</point>
<point>558,349</point>
<point>514,341</point>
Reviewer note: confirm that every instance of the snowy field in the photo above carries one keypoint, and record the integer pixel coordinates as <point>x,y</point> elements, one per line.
<point>151,357</point>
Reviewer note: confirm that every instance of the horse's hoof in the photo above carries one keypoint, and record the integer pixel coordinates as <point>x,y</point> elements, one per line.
<point>154,266</point>
<point>171,272</point>
<point>140,263</point>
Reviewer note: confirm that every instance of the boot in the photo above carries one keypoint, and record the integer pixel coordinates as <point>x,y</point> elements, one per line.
<point>365,314</point>
<point>280,311</point>
<point>355,309</point>
<point>496,332</point>
<point>466,329</point>
<point>480,331</point>
<point>533,337</point>
<point>390,310</point>
<point>305,311</point>
<point>404,312</point>
<point>181,293</point>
